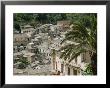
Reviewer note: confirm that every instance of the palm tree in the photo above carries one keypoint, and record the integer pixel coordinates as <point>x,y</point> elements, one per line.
<point>83,39</point>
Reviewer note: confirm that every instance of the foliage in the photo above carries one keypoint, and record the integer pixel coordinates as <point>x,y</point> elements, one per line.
<point>23,63</point>
<point>21,66</point>
<point>82,37</point>
<point>24,60</point>
<point>35,24</point>
<point>21,17</point>
<point>88,70</point>
<point>17,26</point>
<point>52,18</point>
<point>42,18</point>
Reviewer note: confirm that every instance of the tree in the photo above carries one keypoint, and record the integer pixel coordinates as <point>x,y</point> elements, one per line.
<point>43,18</point>
<point>88,70</point>
<point>21,66</point>
<point>35,24</point>
<point>17,27</point>
<point>83,39</point>
<point>50,18</point>
<point>24,60</point>
<point>23,63</point>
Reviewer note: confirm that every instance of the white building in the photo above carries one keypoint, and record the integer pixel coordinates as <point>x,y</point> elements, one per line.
<point>74,67</point>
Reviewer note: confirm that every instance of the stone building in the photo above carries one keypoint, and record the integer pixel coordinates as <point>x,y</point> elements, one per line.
<point>29,30</point>
<point>64,24</point>
<point>26,26</point>
<point>29,56</point>
<point>77,65</point>
<point>31,47</point>
<point>74,67</point>
<point>20,39</point>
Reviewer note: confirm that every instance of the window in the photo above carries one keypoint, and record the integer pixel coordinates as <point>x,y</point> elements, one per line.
<point>68,71</point>
<point>83,57</point>
<point>74,72</point>
<point>56,65</point>
<point>62,66</point>
<point>28,39</point>
<point>76,60</point>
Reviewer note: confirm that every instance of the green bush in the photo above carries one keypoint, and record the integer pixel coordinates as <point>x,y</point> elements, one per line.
<point>88,70</point>
<point>24,63</point>
<point>21,66</point>
<point>24,60</point>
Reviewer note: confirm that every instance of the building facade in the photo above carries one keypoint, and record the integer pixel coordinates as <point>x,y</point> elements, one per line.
<point>21,39</point>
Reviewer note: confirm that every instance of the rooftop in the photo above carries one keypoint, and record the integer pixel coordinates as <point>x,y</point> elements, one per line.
<point>20,35</point>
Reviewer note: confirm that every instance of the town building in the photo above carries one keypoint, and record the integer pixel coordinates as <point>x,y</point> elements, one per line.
<point>64,24</point>
<point>48,44</point>
<point>20,39</point>
<point>26,26</point>
<point>29,56</point>
<point>75,67</point>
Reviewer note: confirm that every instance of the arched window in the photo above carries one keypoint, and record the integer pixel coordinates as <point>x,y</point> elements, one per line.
<point>74,72</point>
<point>68,71</point>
